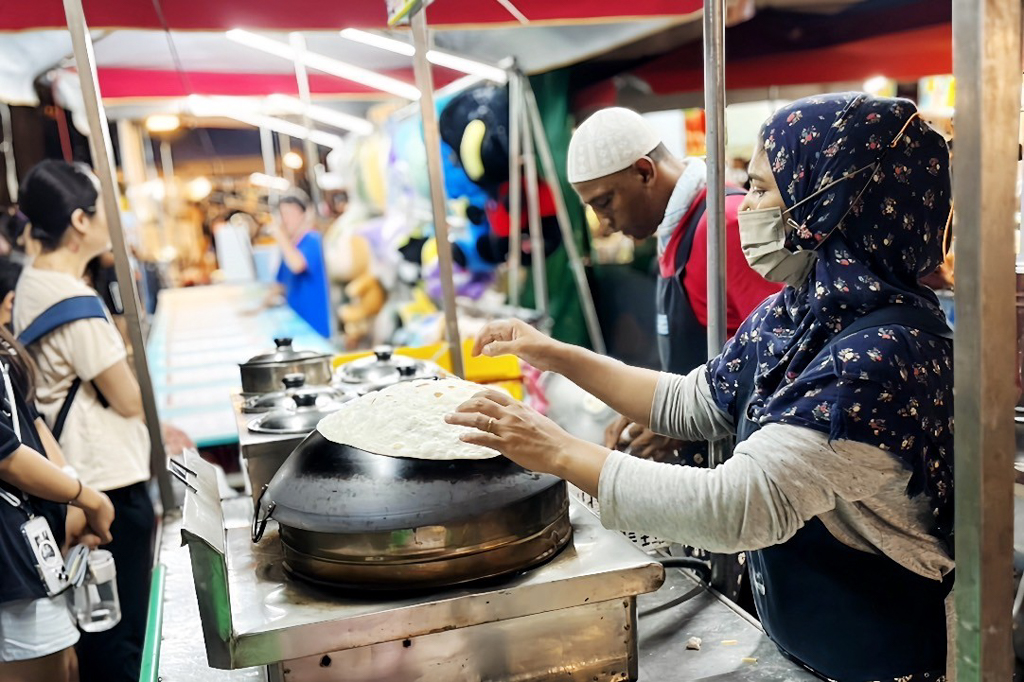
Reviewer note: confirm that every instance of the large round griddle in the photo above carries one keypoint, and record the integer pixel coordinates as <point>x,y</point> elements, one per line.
<point>353,518</point>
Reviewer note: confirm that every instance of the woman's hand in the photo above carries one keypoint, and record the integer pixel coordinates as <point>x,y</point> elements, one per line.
<point>76,531</point>
<point>515,337</point>
<point>529,439</point>
<point>99,512</point>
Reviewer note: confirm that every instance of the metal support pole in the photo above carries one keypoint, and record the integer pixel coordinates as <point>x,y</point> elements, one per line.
<point>538,259</point>
<point>7,148</point>
<point>167,161</point>
<point>714,113</point>
<point>284,143</point>
<point>986,63</point>
<point>515,185</point>
<point>269,160</point>
<point>312,154</point>
<point>102,154</point>
<point>547,162</point>
<point>432,139</point>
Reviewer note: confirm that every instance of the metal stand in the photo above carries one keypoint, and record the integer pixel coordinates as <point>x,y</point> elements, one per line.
<point>538,258</point>
<point>515,185</point>
<point>564,224</point>
<point>298,42</point>
<point>986,51</point>
<point>432,139</point>
<point>99,142</point>
<point>714,110</point>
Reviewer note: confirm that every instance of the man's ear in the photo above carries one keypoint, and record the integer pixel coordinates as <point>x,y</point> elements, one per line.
<point>646,169</point>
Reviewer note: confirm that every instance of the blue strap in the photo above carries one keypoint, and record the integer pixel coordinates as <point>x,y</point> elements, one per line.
<point>62,313</point>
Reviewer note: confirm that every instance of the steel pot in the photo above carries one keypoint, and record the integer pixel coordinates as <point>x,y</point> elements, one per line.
<point>294,386</point>
<point>384,368</point>
<point>265,373</point>
<point>300,419</point>
<point>351,518</point>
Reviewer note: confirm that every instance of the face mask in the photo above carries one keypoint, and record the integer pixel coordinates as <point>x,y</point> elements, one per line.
<point>763,239</point>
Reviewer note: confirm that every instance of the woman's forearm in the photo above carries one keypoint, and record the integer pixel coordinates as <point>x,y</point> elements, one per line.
<point>29,471</point>
<point>628,390</point>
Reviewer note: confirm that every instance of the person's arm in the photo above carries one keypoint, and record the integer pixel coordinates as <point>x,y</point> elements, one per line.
<point>30,472</point>
<point>119,386</point>
<point>291,255</point>
<point>628,390</point>
<point>50,446</point>
<point>776,481</point>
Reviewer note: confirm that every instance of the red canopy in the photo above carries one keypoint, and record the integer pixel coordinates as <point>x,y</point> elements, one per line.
<point>118,83</point>
<point>298,15</point>
<point>905,56</point>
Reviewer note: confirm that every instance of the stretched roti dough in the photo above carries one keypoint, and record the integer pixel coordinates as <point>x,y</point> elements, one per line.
<point>407,420</point>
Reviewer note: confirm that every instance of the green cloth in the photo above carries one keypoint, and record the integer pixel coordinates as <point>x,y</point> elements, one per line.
<point>552,93</point>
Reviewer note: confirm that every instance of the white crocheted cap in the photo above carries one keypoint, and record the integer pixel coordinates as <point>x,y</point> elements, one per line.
<point>609,141</point>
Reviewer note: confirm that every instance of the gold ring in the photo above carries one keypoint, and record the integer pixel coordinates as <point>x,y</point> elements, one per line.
<point>490,425</point>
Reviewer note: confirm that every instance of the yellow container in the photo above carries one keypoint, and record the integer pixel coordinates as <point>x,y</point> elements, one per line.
<point>482,369</point>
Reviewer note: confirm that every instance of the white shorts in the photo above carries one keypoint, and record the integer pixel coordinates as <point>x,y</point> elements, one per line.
<point>33,628</point>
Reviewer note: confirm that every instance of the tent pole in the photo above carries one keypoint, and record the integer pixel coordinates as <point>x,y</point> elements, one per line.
<point>298,42</point>
<point>714,112</point>
<point>515,185</point>
<point>269,162</point>
<point>986,63</point>
<point>538,258</point>
<point>102,154</point>
<point>547,162</point>
<point>432,140</point>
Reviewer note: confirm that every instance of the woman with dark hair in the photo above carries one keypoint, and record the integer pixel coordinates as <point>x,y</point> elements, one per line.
<point>87,392</point>
<point>838,389</point>
<point>10,273</point>
<point>36,629</point>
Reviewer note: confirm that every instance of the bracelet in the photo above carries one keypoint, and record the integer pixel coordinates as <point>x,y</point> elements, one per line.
<point>78,494</point>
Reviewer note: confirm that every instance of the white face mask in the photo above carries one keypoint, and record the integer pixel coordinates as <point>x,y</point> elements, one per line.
<point>763,239</point>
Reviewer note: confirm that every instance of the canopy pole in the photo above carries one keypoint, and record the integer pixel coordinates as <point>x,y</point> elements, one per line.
<point>547,162</point>
<point>538,258</point>
<point>298,42</point>
<point>515,185</point>
<point>7,149</point>
<point>269,161</point>
<point>714,114</point>
<point>432,140</point>
<point>102,154</point>
<point>986,63</point>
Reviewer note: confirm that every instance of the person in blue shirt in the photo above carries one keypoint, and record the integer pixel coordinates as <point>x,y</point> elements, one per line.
<point>302,277</point>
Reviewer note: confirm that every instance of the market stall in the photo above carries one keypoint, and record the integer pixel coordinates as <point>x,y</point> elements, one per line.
<point>270,571</point>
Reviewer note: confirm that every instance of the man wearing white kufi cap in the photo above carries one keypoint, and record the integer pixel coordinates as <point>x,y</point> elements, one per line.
<point>619,166</point>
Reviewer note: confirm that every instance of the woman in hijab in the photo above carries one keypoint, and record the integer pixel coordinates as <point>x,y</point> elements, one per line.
<point>838,391</point>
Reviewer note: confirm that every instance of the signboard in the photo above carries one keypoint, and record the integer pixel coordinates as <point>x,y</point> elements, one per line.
<point>400,11</point>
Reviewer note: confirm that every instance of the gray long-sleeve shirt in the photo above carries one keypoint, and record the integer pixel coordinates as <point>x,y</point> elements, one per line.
<point>776,480</point>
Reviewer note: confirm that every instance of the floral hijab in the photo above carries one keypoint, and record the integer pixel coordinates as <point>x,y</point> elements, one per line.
<point>876,233</point>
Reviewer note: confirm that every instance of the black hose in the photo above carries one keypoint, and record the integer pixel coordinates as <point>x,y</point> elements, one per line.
<point>702,568</point>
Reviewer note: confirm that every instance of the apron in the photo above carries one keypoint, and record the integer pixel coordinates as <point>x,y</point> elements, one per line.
<point>844,614</point>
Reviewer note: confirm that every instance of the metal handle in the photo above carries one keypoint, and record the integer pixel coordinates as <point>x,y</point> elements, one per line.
<point>305,399</point>
<point>384,353</point>
<point>407,370</point>
<point>181,472</point>
<point>294,380</point>
<point>260,525</point>
<point>283,342</point>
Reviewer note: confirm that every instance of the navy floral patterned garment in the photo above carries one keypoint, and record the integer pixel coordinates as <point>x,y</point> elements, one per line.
<point>875,233</point>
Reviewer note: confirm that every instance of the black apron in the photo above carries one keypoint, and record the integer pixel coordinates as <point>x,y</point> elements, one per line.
<point>848,615</point>
<point>682,339</point>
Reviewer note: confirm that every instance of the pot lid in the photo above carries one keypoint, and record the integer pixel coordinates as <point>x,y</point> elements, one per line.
<point>330,488</point>
<point>295,385</point>
<point>384,368</point>
<point>284,353</point>
<point>303,417</point>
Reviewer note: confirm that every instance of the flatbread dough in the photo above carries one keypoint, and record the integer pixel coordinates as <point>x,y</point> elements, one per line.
<point>407,420</point>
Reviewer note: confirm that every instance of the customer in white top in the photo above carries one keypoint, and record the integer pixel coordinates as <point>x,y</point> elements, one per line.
<point>103,436</point>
